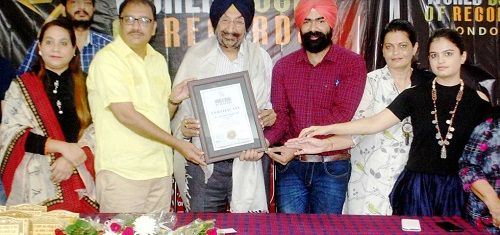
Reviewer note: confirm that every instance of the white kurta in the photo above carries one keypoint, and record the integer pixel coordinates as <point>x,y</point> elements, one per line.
<point>205,59</point>
<point>378,159</point>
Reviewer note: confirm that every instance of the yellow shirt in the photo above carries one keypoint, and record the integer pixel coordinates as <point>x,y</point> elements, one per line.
<point>117,74</point>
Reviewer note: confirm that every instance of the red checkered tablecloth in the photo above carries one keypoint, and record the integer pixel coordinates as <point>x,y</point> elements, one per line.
<point>320,224</point>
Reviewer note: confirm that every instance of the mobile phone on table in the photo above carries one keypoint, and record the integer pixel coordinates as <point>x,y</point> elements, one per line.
<point>410,225</point>
<point>450,227</point>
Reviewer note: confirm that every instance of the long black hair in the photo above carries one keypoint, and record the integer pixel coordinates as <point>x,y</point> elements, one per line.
<point>495,98</point>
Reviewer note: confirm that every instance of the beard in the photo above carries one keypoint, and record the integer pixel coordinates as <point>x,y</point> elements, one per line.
<point>234,43</point>
<point>318,45</point>
<point>81,23</point>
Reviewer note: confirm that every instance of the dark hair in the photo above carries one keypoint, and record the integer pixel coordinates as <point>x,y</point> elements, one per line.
<point>495,93</point>
<point>452,35</point>
<point>80,89</point>
<point>65,1</point>
<point>61,22</point>
<point>403,26</point>
<point>144,2</point>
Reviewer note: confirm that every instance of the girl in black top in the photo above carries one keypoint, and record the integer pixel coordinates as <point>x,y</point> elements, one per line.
<point>443,112</point>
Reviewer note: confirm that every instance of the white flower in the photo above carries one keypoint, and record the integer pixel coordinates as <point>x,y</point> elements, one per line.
<point>145,225</point>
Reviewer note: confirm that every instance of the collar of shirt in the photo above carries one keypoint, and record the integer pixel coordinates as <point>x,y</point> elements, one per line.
<point>385,71</point>
<point>241,53</point>
<point>90,39</point>
<point>125,50</point>
<point>93,38</point>
<point>330,55</point>
<point>65,75</point>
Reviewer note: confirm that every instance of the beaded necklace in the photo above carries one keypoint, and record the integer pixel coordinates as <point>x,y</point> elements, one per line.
<point>444,141</point>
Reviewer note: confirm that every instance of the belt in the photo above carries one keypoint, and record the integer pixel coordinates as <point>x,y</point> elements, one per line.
<point>319,158</point>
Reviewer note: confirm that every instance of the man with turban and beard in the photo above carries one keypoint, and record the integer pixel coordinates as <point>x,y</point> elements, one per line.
<point>238,182</point>
<point>318,84</point>
<point>80,12</point>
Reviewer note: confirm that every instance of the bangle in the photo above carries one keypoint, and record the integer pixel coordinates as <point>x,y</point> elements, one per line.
<point>45,149</point>
<point>174,103</point>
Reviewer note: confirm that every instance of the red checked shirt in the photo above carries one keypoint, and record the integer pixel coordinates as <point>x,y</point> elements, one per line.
<point>304,95</point>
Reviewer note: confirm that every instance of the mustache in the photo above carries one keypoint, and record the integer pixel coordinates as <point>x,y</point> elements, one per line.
<point>136,32</point>
<point>236,35</point>
<point>82,11</point>
<point>314,34</point>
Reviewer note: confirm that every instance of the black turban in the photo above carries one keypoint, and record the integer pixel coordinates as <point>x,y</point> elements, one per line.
<point>245,7</point>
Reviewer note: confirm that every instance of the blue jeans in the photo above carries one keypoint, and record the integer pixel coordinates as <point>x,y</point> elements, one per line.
<point>304,187</point>
<point>3,198</point>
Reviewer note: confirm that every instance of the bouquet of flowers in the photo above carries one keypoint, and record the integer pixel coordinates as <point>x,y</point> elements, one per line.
<point>198,226</point>
<point>159,223</point>
<point>80,227</point>
<point>147,224</point>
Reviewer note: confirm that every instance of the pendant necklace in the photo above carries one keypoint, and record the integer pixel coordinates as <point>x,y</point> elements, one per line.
<point>54,91</point>
<point>444,141</point>
<point>406,127</point>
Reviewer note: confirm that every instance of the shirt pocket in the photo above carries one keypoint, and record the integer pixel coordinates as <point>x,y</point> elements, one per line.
<point>326,93</point>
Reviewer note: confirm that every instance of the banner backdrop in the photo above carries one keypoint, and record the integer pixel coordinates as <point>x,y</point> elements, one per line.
<point>181,23</point>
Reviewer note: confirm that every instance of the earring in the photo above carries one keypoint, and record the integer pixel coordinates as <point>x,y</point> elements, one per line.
<point>40,53</point>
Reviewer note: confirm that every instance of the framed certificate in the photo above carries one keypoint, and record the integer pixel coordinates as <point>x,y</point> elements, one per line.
<point>228,115</point>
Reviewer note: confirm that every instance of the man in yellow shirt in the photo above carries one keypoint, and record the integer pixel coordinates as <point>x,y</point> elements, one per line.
<point>131,104</point>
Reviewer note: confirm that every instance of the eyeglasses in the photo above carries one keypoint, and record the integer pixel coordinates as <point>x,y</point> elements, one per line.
<point>239,22</point>
<point>130,20</point>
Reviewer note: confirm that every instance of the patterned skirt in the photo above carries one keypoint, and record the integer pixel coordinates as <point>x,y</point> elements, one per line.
<point>422,194</point>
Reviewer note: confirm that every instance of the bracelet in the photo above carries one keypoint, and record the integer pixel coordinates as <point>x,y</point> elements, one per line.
<point>174,103</point>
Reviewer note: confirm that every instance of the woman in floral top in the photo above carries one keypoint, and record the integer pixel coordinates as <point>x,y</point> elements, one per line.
<point>378,159</point>
<point>480,171</point>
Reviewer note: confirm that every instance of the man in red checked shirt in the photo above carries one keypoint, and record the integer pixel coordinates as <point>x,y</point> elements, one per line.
<point>319,84</point>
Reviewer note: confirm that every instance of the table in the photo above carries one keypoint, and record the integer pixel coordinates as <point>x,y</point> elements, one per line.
<point>321,224</point>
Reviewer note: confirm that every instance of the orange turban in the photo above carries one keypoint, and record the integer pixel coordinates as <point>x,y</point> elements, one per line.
<point>326,8</point>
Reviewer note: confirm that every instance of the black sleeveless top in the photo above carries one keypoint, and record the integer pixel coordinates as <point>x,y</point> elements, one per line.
<point>425,153</point>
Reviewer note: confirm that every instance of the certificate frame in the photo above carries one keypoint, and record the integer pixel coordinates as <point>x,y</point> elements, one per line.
<point>197,89</point>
